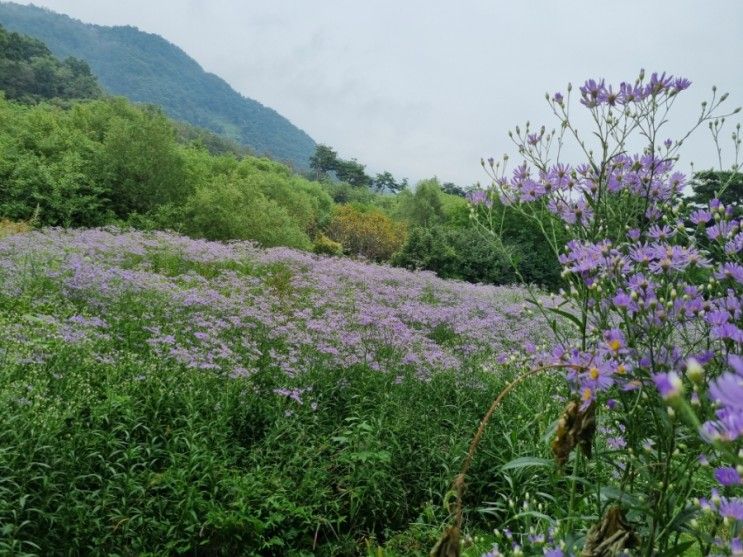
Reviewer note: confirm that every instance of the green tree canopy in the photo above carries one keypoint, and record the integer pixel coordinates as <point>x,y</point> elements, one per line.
<point>30,73</point>
<point>323,161</point>
<point>726,186</point>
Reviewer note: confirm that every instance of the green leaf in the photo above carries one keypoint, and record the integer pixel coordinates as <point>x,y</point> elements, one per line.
<point>525,462</point>
<point>612,493</point>
<point>678,550</point>
<point>560,312</point>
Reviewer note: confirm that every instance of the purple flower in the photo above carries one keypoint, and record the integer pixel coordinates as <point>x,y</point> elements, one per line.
<point>731,508</point>
<point>590,92</point>
<point>479,197</point>
<point>658,83</point>
<point>730,271</point>
<point>701,216</point>
<point>661,233</point>
<point>727,475</point>
<point>681,83</point>
<point>669,384</point>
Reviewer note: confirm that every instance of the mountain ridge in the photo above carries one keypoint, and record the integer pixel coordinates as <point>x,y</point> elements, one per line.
<point>147,68</point>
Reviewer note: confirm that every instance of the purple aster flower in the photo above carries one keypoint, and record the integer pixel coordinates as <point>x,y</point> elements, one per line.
<point>658,83</point>
<point>735,245</point>
<point>730,271</point>
<point>479,197</point>
<point>590,92</point>
<point>701,216</point>
<point>616,443</point>
<point>669,384</point>
<point>661,233</point>
<point>731,508</point>
<point>681,83</point>
<point>727,475</point>
<point>728,331</point>
<point>736,362</point>
<point>631,92</point>
<point>728,391</point>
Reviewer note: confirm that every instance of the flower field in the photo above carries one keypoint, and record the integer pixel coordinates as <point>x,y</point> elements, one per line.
<point>216,307</point>
<point>166,394</point>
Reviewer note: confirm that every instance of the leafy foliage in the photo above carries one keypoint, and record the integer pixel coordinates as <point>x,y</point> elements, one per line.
<point>146,68</point>
<point>725,186</point>
<point>232,208</point>
<point>370,234</point>
<point>30,73</point>
<point>152,401</point>
<point>459,253</point>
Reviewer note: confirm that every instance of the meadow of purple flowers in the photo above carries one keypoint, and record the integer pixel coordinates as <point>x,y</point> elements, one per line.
<point>312,311</point>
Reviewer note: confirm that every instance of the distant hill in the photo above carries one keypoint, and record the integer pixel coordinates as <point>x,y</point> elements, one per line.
<point>30,73</point>
<point>144,67</point>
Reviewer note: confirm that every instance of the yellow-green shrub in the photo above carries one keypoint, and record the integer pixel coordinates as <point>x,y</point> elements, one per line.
<point>370,234</point>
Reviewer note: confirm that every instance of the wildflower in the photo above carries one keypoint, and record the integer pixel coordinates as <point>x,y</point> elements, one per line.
<point>730,271</point>
<point>669,385</point>
<point>701,216</point>
<point>727,475</point>
<point>731,508</point>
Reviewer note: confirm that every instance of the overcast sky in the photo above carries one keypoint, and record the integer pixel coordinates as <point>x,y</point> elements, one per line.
<point>425,88</point>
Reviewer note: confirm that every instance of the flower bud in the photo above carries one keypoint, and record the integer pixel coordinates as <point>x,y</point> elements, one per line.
<point>694,371</point>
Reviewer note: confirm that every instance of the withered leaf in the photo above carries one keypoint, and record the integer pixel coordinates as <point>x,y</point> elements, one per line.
<point>611,536</point>
<point>575,429</point>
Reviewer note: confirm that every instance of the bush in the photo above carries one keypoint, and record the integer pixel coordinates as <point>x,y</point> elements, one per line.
<point>231,208</point>
<point>325,246</point>
<point>370,234</point>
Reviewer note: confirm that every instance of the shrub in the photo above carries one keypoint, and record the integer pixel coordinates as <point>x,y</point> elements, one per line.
<point>231,208</point>
<point>325,246</point>
<point>460,253</point>
<point>370,234</point>
<point>9,227</point>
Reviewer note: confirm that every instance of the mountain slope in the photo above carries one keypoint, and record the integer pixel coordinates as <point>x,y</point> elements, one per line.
<point>30,73</point>
<point>146,68</point>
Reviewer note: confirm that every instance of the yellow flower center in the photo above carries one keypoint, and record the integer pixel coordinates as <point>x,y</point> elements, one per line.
<point>594,373</point>
<point>587,393</point>
<point>621,369</point>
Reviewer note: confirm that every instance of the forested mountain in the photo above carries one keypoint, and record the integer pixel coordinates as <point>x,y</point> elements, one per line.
<point>146,68</point>
<point>30,73</point>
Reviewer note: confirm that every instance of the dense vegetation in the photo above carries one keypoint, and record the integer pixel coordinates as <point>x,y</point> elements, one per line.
<point>146,68</point>
<point>197,394</point>
<point>108,161</point>
<point>29,72</point>
<point>166,395</point>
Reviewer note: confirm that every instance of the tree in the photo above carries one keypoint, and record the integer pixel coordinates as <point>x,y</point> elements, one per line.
<point>424,207</point>
<point>30,73</point>
<point>352,172</point>
<point>726,186</point>
<point>452,189</point>
<point>323,161</point>
<point>385,182</point>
